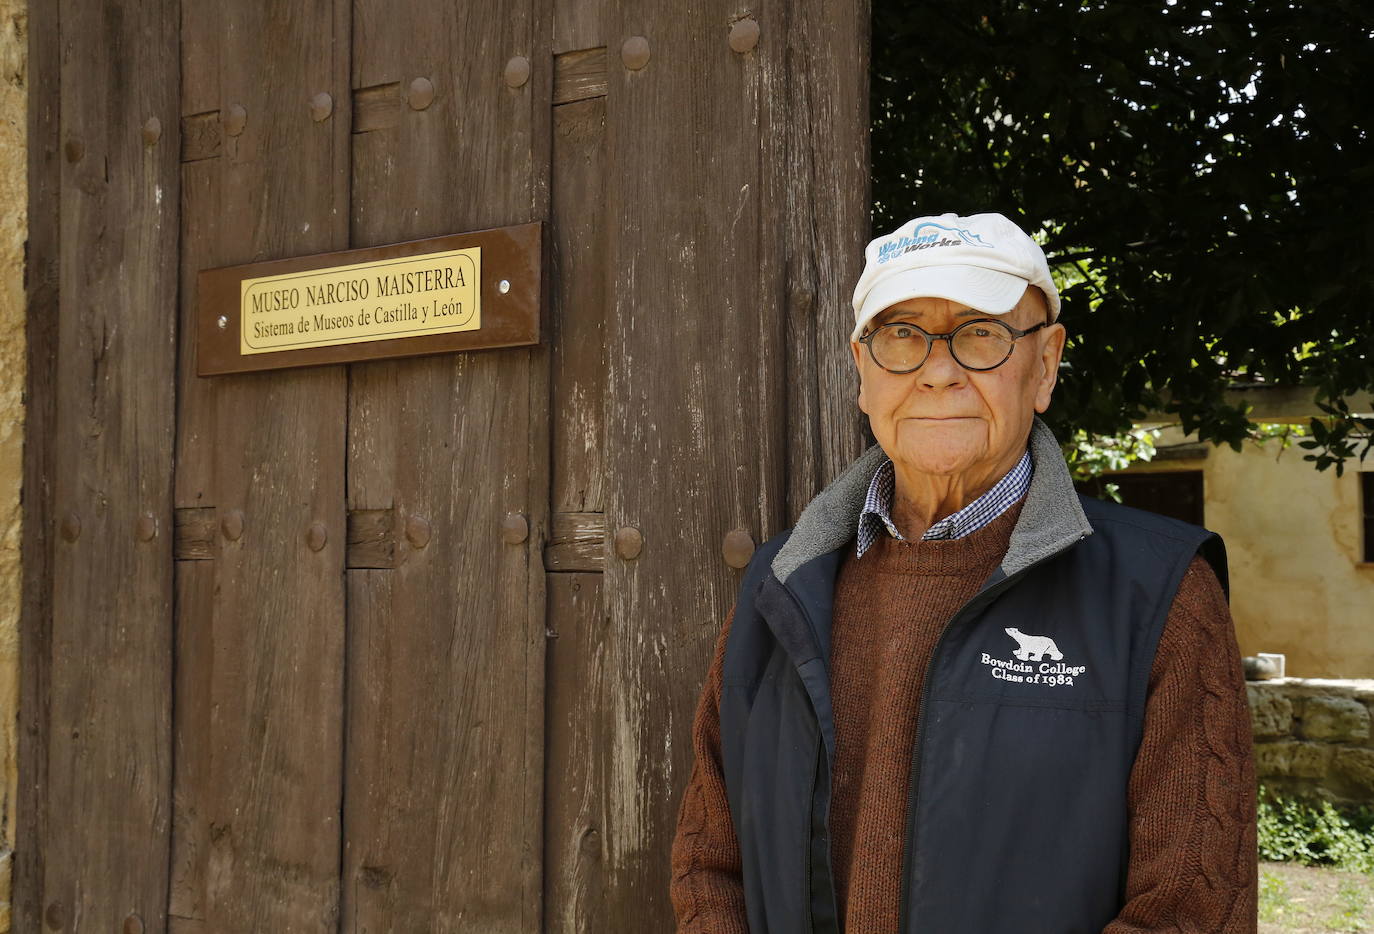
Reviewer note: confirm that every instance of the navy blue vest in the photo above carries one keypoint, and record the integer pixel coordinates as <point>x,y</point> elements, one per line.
<point>1030,719</point>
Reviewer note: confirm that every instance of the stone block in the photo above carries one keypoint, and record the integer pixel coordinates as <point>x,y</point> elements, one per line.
<point>1271,713</point>
<point>1292,759</point>
<point>1356,767</point>
<point>1335,720</point>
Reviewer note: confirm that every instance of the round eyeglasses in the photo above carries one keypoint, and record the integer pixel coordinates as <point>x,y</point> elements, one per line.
<point>980,344</point>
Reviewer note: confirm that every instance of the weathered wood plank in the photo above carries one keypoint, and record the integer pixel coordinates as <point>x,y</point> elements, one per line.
<point>817,173</point>
<point>579,265</point>
<point>577,25</point>
<point>196,439</point>
<point>442,812</point>
<point>689,418</point>
<point>190,856</point>
<point>579,75</point>
<point>202,60</point>
<point>267,452</point>
<point>109,753</point>
<point>577,542</point>
<point>202,136</point>
<point>371,538</point>
<point>377,108</point>
<point>39,530</point>
<point>578,695</point>
<point>578,699</point>
<point>195,534</point>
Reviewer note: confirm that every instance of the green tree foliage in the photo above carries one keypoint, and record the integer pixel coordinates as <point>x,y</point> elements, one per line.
<point>1200,175</point>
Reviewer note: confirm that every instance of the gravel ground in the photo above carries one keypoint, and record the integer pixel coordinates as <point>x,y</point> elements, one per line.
<point>1297,899</point>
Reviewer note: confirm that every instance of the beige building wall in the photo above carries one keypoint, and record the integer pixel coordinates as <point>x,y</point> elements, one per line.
<point>13,232</point>
<point>1294,542</point>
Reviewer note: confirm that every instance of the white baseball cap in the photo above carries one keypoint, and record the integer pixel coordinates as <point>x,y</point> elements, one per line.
<point>983,261</point>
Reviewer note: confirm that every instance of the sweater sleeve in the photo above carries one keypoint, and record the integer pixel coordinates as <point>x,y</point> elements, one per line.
<point>706,891</point>
<point>1192,788</point>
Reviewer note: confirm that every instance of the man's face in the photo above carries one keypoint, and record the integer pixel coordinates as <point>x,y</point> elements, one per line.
<point>945,420</point>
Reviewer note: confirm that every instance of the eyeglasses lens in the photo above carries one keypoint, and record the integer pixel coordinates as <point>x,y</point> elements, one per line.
<point>979,345</point>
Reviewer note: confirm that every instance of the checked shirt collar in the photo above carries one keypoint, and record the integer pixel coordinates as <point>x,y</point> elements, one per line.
<point>877,510</point>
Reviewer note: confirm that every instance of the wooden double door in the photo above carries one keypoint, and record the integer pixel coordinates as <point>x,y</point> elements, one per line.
<point>412,645</point>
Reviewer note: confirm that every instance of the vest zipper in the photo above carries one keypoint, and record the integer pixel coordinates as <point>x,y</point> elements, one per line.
<point>810,861</point>
<point>822,761</point>
<point>909,849</point>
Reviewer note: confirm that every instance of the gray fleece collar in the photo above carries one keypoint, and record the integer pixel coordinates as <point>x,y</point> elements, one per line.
<point>1051,519</point>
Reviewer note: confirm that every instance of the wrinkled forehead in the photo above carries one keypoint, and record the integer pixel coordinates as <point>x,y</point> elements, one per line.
<point>916,310</point>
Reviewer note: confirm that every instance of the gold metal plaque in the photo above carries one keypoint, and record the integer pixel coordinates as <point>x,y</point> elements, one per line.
<point>436,293</point>
<point>479,290</point>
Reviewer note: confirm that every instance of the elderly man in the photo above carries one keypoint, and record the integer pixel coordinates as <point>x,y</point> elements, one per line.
<point>957,697</point>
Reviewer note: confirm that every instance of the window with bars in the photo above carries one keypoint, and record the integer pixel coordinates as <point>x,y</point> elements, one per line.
<point>1176,493</point>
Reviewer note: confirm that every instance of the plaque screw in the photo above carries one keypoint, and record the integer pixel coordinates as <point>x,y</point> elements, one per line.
<point>503,286</point>
<point>421,94</point>
<point>234,119</point>
<point>321,106</point>
<point>316,536</point>
<point>628,542</point>
<point>744,35</point>
<point>635,53</point>
<point>152,131</point>
<point>514,528</point>
<point>133,924</point>
<point>146,527</point>
<point>232,525</point>
<point>517,71</point>
<point>74,149</point>
<point>71,527</point>
<point>738,548</point>
<point>222,321</point>
<point>418,532</point>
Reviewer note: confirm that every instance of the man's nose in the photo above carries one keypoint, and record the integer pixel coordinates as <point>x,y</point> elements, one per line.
<point>941,370</point>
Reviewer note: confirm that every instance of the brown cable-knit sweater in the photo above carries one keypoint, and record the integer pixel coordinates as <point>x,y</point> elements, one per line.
<point>1192,790</point>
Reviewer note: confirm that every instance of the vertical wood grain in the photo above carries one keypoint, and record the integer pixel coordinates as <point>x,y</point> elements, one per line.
<point>39,532</point>
<point>192,774</point>
<point>259,797</point>
<point>687,416</point>
<point>577,334</point>
<point>816,180</point>
<point>578,699</point>
<point>444,788</point>
<point>577,25</point>
<point>576,897</point>
<point>307,747</point>
<point>735,214</point>
<point>109,762</point>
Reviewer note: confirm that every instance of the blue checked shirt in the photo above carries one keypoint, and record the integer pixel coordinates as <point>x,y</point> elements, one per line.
<point>877,511</point>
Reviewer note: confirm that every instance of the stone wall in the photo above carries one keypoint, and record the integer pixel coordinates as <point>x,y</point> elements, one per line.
<point>1313,735</point>
<point>13,233</point>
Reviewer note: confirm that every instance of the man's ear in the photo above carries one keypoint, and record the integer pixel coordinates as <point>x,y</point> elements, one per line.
<point>1051,352</point>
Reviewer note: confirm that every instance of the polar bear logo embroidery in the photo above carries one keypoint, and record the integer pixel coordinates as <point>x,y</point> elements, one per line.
<point>1033,648</point>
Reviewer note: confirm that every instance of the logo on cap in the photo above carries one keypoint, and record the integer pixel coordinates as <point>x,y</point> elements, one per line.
<point>916,240</point>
